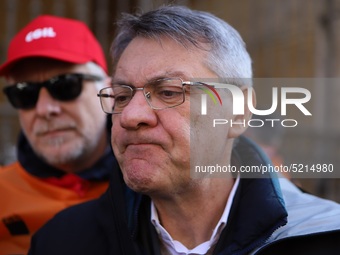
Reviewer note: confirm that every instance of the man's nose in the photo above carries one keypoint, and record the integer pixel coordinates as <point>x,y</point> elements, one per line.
<point>138,113</point>
<point>46,105</point>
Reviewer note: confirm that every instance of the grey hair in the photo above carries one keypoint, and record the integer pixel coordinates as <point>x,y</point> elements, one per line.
<point>97,70</point>
<point>227,55</point>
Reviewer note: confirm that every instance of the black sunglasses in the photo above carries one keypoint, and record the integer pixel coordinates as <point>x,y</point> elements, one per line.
<point>66,87</point>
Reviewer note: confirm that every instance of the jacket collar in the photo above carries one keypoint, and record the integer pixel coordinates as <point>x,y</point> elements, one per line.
<point>256,213</point>
<point>258,208</point>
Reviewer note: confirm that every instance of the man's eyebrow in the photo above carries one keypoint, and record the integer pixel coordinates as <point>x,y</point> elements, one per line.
<point>120,82</point>
<point>174,74</point>
<point>167,74</point>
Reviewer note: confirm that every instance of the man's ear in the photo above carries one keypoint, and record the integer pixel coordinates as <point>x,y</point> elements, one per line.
<point>238,129</point>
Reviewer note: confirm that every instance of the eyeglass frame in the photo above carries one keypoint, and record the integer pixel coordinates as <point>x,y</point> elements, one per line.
<point>134,90</point>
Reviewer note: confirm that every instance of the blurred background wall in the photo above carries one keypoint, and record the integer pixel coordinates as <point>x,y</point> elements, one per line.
<point>286,39</point>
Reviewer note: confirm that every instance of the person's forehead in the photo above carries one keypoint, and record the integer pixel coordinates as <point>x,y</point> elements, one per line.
<point>150,58</point>
<point>38,69</point>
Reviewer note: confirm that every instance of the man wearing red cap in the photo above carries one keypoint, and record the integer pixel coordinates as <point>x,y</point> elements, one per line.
<point>54,69</point>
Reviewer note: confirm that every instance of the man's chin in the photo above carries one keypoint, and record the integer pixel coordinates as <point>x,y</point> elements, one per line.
<point>139,183</point>
<point>60,155</point>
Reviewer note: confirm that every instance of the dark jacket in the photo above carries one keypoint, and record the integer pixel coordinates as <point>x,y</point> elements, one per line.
<point>119,222</point>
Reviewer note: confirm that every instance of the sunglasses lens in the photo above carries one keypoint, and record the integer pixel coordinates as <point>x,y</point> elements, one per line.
<point>66,88</point>
<point>23,96</point>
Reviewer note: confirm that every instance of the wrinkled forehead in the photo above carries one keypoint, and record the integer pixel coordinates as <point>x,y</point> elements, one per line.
<point>147,59</point>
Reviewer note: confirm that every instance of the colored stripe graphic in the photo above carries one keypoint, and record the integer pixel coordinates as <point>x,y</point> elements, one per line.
<point>209,89</point>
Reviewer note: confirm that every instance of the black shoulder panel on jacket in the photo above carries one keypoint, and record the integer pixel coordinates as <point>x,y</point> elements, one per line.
<point>312,244</point>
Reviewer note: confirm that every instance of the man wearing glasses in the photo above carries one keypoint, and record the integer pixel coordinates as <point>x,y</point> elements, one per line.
<point>54,69</point>
<point>164,61</point>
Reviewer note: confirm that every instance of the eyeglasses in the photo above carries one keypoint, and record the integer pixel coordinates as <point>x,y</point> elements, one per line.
<point>160,94</point>
<point>66,87</point>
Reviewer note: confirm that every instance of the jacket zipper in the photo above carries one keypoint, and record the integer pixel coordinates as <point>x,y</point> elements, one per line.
<point>261,241</point>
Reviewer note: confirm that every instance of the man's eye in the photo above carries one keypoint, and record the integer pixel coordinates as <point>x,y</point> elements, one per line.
<point>169,93</point>
<point>122,98</point>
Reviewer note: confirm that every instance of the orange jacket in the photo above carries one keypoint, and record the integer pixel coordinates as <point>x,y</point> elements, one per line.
<point>27,202</point>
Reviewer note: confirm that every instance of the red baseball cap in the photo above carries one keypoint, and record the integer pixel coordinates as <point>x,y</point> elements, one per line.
<point>57,38</point>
